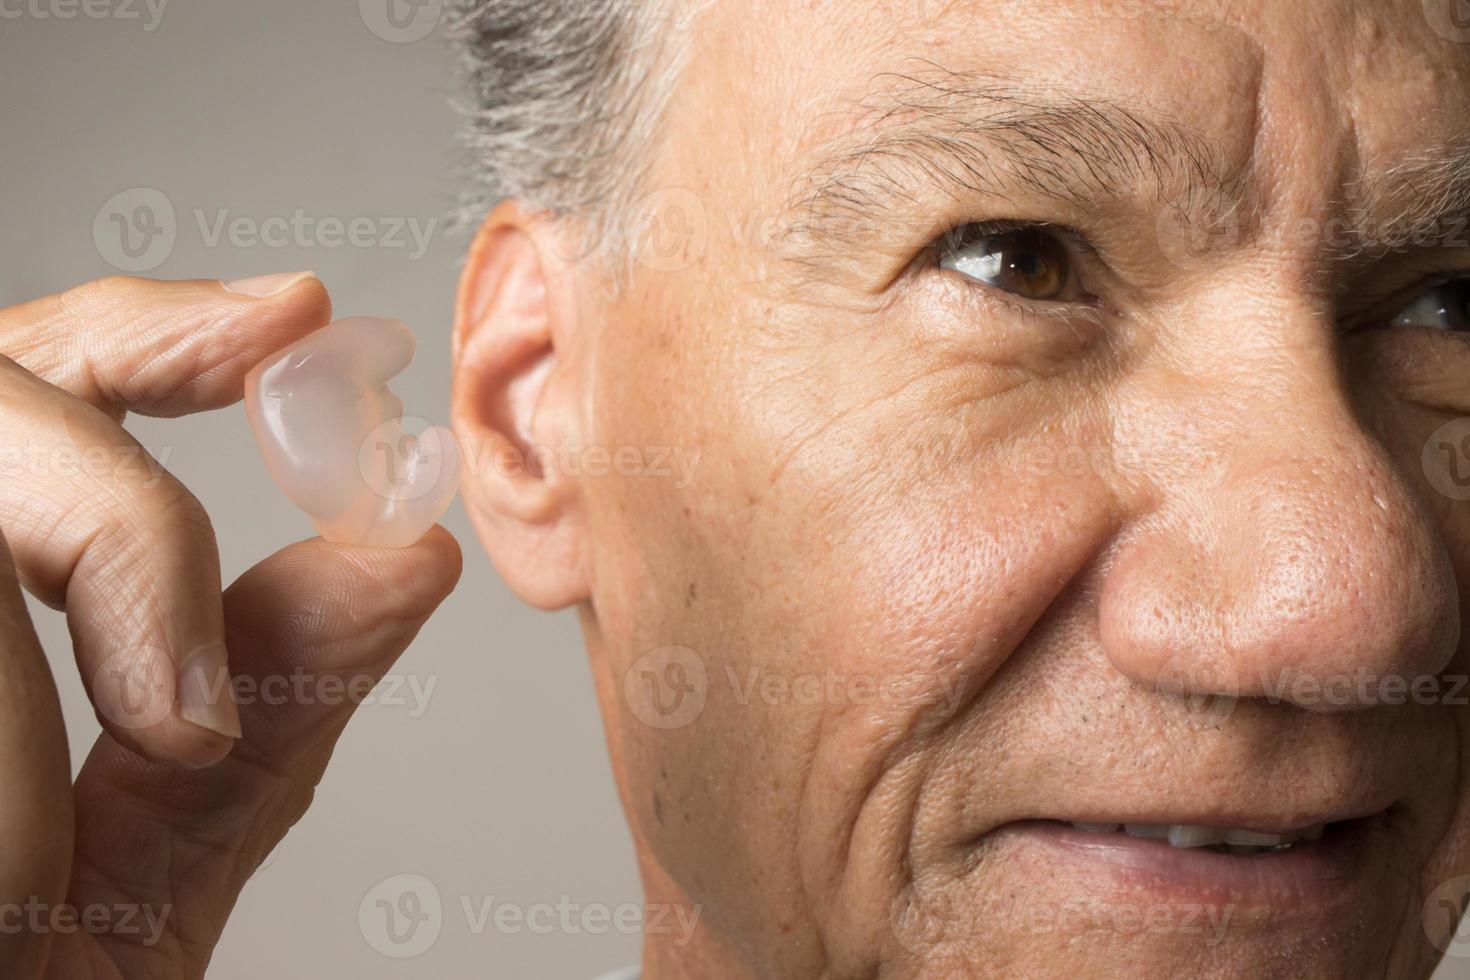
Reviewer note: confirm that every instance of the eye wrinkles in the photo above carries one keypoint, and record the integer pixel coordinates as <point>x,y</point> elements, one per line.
<point>935,140</point>
<point>940,134</point>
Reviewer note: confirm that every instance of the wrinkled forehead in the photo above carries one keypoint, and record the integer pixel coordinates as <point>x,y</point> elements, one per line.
<point>1317,98</point>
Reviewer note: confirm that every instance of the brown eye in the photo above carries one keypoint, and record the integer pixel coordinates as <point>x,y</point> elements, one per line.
<point>1030,262</point>
<point>1444,307</point>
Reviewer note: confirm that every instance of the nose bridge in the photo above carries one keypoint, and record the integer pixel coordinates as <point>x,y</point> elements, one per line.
<point>1277,548</point>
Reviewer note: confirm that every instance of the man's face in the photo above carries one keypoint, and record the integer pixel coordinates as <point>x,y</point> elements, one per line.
<point>1064,380</point>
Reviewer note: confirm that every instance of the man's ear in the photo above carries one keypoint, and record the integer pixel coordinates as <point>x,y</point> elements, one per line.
<point>515,404</point>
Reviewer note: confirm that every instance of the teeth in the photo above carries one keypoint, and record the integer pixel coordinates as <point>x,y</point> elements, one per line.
<point>1152,831</point>
<point>1231,840</point>
<point>1181,835</point>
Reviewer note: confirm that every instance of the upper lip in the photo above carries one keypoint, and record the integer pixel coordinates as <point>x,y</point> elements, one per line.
<point>1258,821</point>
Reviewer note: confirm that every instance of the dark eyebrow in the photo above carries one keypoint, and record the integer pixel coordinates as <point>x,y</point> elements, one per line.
<point>966,134</point>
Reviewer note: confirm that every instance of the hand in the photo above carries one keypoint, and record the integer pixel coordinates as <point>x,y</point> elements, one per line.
<point>184,793</point>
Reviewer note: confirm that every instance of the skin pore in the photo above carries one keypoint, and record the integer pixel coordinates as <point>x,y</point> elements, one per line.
<point>1092,554</point>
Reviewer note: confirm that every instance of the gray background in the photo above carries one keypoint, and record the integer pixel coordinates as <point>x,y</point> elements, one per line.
<point>498,790</point>
<point>501,786</point>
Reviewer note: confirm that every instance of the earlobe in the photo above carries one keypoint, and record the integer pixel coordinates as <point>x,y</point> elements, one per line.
<point>512,390</point>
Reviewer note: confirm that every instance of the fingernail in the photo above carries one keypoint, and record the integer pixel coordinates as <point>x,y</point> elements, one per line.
<point>261,286</point>
<point>206,694</point>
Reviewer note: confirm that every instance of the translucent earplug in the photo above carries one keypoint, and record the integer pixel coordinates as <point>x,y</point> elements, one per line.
<point>334,440</point>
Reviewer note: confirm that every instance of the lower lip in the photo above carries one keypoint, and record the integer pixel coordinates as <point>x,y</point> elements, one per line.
<point>1309,870</point>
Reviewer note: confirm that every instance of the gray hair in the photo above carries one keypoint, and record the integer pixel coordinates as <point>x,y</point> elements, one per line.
<point>567,97</point>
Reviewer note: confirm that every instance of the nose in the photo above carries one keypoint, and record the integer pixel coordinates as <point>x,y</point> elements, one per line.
<point>1277,552</point>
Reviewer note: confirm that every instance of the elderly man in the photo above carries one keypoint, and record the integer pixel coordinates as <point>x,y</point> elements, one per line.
<point>1068,583</point>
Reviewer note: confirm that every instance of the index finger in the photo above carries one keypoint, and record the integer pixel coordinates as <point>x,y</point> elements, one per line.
<point>161,348</point>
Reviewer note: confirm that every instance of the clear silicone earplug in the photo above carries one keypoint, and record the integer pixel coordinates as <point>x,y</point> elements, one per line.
<point>334,438</point>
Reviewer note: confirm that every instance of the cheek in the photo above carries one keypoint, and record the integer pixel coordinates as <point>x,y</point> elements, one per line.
<point>932,592</point>
<point>856,556</point>
<point>1410,392</point>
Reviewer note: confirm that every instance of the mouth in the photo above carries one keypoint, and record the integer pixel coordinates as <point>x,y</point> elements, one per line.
<point>1249,862</point>
<point>1236,841</point>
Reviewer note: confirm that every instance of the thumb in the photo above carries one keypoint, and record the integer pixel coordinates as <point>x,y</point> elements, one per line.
<point>35,803</point>
<point>329,620</point>
<point>317,613</point>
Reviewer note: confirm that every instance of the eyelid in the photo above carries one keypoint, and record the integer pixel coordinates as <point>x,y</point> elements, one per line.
<point>972,232</point>
<point>1382,312</point>
<point>1059,310</point>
